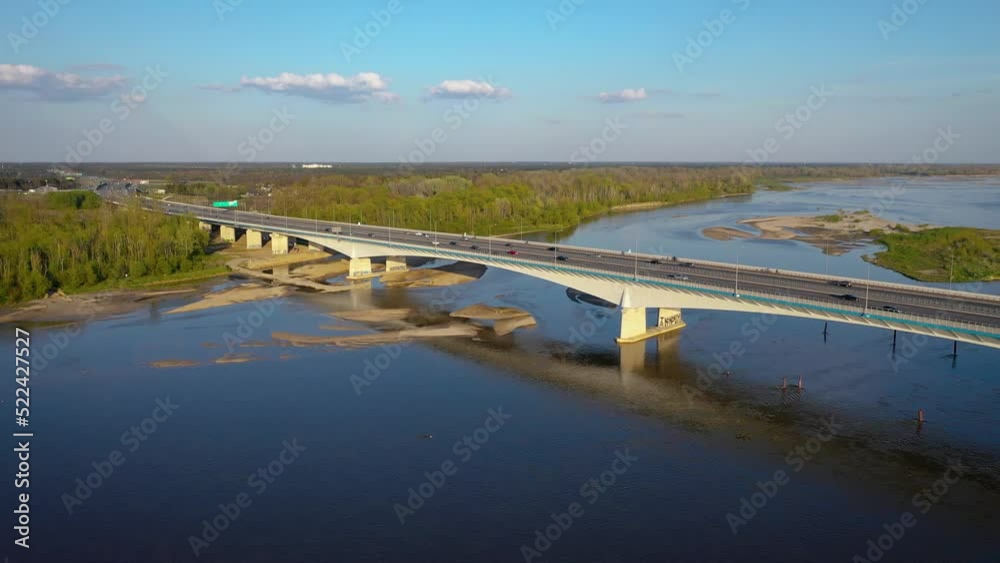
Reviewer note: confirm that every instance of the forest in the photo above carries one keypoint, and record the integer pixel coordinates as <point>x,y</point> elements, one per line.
<point>72,240</point>
<point>484,202</point>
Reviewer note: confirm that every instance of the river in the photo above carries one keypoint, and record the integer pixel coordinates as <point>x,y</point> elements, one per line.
<point>503,435</point>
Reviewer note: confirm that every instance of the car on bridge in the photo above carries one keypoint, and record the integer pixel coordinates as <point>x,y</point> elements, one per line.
<point>848,297</point>
<point>474,247</point>
<point>654,261</point>
<point>512,252</point>
<point>562,258</point>
<point>890,309</point>
<point>453,243</point>
<point>843,283</point>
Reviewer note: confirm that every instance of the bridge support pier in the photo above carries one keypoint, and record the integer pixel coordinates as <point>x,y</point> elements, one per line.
<point>279,243</point>
<point>255,239</point>
<point>228,233</point>
<point>633,327</point>
<point>315,247</point>
<point>395,264</point>
<point>205,226</point>
<point>360,268</point>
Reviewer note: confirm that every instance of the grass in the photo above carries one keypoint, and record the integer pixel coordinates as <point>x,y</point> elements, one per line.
<point>959,254</point>
<point>832,218</point>
<point>154,281</point>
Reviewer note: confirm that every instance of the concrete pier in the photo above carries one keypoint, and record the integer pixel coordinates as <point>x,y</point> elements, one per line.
<point>205,226</point>
<point>228,233</point>
<point>255,239</point>
<point>279,244</point>
<point>395,264</point>
<point>360,268</point>
<point>633,327</point>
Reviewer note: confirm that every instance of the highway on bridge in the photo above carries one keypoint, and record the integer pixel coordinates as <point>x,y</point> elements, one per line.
<point>929,304</point>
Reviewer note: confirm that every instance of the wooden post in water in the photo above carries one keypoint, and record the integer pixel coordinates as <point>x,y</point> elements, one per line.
<point>800,383</point>
<point>784,383</point>
<point>920,416</point>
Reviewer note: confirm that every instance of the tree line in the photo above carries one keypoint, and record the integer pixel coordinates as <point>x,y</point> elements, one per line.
<point>71,240</point>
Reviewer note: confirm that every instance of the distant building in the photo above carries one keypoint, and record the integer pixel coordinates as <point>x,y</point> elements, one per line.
<point>317,166</point>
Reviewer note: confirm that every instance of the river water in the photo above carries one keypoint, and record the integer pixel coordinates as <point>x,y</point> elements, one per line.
<point>687,467</point>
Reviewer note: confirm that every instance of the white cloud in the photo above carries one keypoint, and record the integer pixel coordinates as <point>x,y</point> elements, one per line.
<point>64,86</point>
<point>332,87</point>
<point>467,89</point>
<point>626,95</point>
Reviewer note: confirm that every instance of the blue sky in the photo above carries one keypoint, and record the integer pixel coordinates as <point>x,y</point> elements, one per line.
<point>497,81</point>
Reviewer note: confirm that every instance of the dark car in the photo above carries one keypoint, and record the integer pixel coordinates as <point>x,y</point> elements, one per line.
<point>474,247</point>
<point>561,258</point>
<point>654,261</point>
<point>508,244</point>
<point>848,297</point>
<point>453,243</point>
<point>371,235</point>
<point>890,309</point>
<point>843,283</point>
<point>552,249</point>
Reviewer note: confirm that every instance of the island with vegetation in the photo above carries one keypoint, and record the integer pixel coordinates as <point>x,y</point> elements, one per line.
<point>920,252</point>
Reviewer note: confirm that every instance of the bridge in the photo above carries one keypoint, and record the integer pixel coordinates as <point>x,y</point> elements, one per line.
<point>635,282</point>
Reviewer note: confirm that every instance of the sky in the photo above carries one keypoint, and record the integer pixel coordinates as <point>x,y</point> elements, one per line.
<point>513,80</point>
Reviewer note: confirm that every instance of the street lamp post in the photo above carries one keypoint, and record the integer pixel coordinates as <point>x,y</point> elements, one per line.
<point>868,284</point>
<point>635,254</point>
<point>736,291</point>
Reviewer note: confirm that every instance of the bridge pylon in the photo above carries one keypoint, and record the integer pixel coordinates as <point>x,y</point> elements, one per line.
<point>633,325</point>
